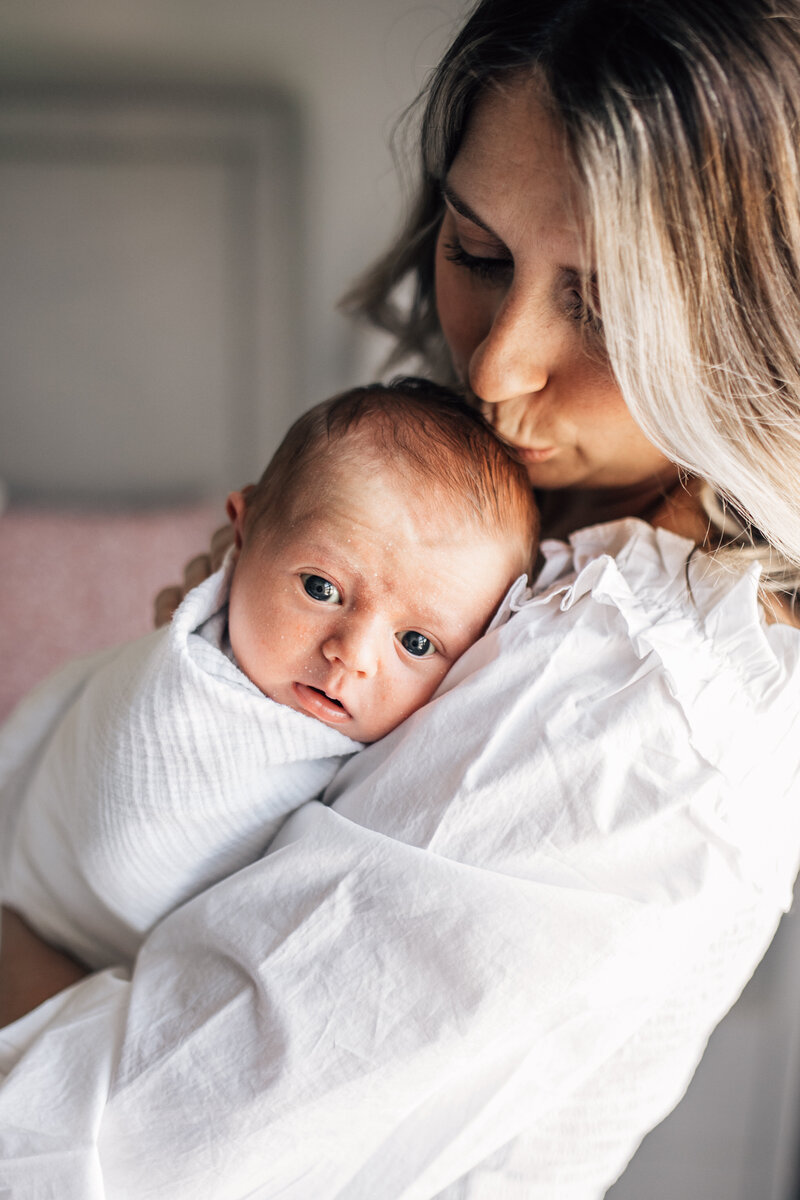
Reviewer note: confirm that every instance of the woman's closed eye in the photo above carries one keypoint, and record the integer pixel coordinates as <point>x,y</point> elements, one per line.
<point>584,311</point>
<point>492,270</point>
<point>416,644</point>
<point>321,589</point>
<point>496,271</point>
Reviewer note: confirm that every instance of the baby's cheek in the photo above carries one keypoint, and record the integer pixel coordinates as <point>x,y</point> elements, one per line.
<point>418,691</point>
<point>298,632</point>
<point>436,678</point>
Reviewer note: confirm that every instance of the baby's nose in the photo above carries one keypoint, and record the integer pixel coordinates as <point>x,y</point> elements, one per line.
<point>355,647</point>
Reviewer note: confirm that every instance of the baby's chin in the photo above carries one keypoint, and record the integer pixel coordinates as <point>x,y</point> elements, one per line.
<point>366,730</point>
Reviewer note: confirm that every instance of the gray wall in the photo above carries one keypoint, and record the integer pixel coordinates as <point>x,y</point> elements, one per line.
<point>349,67</point>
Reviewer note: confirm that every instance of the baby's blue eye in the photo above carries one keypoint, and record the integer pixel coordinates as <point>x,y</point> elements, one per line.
<point>416,643</point>
<point>321,589</point>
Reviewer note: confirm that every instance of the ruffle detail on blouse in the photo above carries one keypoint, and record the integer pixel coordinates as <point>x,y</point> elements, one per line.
<point>702,620</point>
<point>736,678</point>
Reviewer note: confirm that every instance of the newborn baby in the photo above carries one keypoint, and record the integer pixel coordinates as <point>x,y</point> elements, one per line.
<point>372,553</point>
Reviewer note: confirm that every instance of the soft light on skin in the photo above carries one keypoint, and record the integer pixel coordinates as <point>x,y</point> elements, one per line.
<point>508,262</point>
<point>399,560</point>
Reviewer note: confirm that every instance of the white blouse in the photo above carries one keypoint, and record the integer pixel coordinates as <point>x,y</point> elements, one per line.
<point>490,963</point>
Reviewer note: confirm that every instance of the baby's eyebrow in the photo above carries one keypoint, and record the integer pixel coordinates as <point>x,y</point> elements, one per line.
<point>463,209</point>
<point>330,558</point>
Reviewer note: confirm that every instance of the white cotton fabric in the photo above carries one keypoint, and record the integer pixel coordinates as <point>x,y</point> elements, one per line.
<point>492,963</point>
<point>132,781</point>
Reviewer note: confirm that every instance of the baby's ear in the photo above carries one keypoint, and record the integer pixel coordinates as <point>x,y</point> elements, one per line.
<point>236,508</point>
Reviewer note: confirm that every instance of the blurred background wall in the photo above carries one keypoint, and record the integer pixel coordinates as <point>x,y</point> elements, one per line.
<point>337,74</point>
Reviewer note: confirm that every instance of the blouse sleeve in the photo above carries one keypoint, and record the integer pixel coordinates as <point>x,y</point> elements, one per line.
<point>496,953</point>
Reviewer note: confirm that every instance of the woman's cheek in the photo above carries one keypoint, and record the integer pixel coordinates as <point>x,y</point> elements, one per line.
<point>461,316</point>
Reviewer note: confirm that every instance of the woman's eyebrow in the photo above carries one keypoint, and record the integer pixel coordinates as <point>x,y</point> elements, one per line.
<point>464,210</point>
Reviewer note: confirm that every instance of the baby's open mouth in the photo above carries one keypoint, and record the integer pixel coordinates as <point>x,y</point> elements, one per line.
<point>319,704</point>
<point>320,692</point>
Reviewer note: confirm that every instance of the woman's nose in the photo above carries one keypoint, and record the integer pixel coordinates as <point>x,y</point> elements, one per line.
<point>354,645</point>
<point>516,357</point>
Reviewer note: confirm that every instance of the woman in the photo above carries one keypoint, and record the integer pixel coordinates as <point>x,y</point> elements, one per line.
<point>491,963</point>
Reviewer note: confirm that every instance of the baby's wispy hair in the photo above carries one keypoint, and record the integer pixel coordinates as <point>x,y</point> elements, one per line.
<point>421,432</point>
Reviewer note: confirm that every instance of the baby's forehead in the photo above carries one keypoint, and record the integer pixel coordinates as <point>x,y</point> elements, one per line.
<point>346,475</point>
<point>370,477</point>
<point>386,512</point>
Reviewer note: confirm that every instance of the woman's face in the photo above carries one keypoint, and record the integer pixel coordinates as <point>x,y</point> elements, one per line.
<point>509,259</point>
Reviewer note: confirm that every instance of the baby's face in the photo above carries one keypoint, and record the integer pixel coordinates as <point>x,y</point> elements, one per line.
<point>355,612</point>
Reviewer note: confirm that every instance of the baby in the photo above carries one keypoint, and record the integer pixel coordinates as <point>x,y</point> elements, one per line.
<point>372,553</point>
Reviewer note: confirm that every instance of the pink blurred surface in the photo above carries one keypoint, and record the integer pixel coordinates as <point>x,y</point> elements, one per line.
<point>71,583</point>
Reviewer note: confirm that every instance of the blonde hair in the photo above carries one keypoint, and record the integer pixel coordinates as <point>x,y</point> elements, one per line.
<point>682,118</point>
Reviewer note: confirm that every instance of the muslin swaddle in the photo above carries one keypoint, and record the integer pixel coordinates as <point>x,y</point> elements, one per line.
<point>143,776</point>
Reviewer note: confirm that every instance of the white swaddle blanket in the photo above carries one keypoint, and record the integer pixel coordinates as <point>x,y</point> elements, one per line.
<point>142,776</point>
<point>490,965</point>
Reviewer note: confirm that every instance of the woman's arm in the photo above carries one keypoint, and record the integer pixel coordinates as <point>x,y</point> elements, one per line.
<point>30,970</point>
<point>517,931</point>
<point>381,1029</point>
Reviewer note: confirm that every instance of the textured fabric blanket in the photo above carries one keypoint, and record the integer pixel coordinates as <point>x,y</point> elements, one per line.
<point>132,780</point>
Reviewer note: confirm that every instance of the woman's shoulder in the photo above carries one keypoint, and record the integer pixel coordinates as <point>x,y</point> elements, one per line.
<point>662,570</point>
<point>683,613</point>
<point>682,513</point>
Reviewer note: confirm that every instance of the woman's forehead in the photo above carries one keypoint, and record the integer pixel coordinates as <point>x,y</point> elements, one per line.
<point>513,164</point>
<point>511,117</point>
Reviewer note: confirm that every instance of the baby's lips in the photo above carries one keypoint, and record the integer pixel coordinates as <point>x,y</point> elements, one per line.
<point>318,704</point>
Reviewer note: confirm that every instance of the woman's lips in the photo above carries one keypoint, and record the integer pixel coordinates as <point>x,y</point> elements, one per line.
<point>528,454</point>
<point>315,702</point>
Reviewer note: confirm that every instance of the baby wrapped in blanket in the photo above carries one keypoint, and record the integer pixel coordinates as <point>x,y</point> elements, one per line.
<point>372,553</point>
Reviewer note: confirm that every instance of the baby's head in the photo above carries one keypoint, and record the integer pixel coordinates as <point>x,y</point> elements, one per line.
<point>373,552</point>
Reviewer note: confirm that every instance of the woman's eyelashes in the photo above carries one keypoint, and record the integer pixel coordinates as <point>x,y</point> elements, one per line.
<point>584,311</point>
<point>496,271</point>
<point>491,270</point>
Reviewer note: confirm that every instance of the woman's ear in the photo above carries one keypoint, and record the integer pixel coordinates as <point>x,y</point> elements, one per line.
<point>236,508</point>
